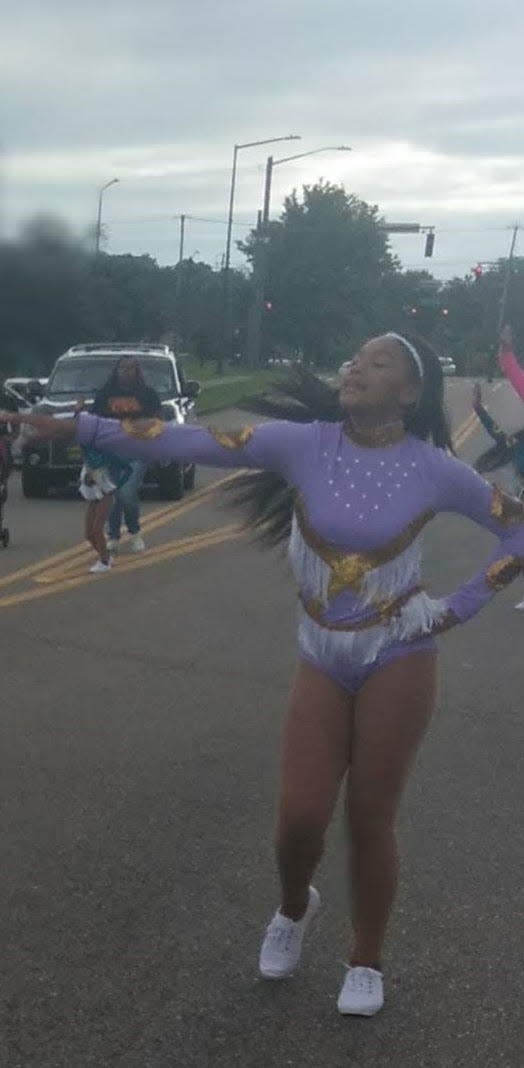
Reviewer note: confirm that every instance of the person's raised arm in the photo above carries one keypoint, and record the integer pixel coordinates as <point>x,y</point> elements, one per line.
<point>486,419</point>
<point>509,363</point>
<point>49,426</point>
<point>279,446</point>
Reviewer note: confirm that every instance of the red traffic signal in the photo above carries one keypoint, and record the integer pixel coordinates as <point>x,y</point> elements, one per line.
<point>478,271</point>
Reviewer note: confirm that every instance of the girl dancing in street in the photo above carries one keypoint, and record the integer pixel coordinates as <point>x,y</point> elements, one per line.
<point>354,479</point>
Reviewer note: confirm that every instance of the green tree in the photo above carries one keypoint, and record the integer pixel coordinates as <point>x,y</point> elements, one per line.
<point>327,263</point>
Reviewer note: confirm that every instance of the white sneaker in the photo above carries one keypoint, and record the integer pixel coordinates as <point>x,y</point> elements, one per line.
<point>113,544</point>
<point>137,544</point>
<point>362,993</point>
<point>282,945</point>
<point>520,606</point>
<point>100,568</point>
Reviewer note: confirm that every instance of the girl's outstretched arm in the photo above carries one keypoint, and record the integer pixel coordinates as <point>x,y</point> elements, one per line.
<point>285,448</point>
<point>49,426</point>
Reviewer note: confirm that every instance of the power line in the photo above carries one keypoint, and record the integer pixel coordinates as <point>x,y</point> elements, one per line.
<point>175,218</point>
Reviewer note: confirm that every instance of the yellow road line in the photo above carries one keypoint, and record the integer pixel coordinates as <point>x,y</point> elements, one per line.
<point>133,563</point>
<point>465,430</point>
<point>151,522</point>
<point>84,551</point>
<point>175,549</point>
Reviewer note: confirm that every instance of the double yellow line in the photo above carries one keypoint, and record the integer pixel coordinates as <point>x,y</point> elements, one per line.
<point>465,431</point>
<point>60,571</point>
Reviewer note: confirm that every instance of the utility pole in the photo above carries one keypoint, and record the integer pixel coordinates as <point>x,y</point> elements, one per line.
<point>261,258</point>
<point>503,305</point>
<point>182,232</point>
<point>227,311</point>
<point>180,282</point>
<point>98,231</point>
<point>507,280</point>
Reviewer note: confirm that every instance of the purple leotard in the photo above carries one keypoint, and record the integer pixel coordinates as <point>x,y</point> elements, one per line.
<point>355,543</point>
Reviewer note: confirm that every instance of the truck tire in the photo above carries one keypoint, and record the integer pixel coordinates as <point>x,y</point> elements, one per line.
<point>34,485</point>
<point>171,482</point>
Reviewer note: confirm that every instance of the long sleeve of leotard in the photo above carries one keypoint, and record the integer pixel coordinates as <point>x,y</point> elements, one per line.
<point>511,369</point>
<point>462,490</point>
<point>280,446</point>
<point>489,424</point>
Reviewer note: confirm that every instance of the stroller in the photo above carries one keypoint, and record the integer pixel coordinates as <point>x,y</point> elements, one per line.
<point>5,470</point>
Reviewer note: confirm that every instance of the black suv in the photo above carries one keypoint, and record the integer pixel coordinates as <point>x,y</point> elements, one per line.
<point>80,373</point>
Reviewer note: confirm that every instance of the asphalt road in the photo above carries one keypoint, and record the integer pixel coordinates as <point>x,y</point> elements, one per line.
<point>139,735</point>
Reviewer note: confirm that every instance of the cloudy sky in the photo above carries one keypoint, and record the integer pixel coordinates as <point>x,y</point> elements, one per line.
<point>429,95</point>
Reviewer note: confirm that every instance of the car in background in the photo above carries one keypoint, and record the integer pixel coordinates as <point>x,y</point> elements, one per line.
<point>26,390</point>
<point>448,365</point>
<point>78,375</point>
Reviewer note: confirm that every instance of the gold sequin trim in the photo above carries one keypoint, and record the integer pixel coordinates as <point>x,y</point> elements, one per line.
<point>502,572</point>
<point>508,510</point>
<point>144,429</point>
<point>386,610</point>
<point>349,569</point>
<point>232,439</point>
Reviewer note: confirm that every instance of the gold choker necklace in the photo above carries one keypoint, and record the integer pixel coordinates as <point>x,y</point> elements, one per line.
<point>376,437</point>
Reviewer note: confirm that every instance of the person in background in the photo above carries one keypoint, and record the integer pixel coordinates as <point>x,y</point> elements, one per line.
<point>7,432</point>
<point>508,452</point>
<point>102,475</point>
<point>127,396</point>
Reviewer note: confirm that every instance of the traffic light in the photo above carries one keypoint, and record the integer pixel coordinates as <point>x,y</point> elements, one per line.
<point>430,242</point>
<point>477,271</point>
<point>268,306</point>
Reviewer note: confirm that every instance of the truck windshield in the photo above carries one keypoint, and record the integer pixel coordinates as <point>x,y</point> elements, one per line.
<point>79,377</point>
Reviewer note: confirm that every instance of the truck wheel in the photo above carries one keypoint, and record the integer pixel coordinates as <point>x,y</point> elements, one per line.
<point>33,484</point>
<point>171,483</point>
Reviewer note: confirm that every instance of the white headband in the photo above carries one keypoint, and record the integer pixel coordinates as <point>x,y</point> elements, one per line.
<point>412,351</point>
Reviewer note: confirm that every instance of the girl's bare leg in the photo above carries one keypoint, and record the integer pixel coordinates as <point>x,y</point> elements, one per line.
<point>315,757</point>
<point>89,522</point>
<point>102,514</point>
<point>392,712</point>
<point>97,513</point>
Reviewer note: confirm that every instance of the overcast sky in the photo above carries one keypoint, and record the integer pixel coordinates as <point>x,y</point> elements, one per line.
<point>429,95</point>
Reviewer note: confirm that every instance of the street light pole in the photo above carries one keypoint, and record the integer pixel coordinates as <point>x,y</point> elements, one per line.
<point>226,305</point>
<point>260,263</point>
<point>99,213</point>
<point>182,233</point>
<point>271,163</point>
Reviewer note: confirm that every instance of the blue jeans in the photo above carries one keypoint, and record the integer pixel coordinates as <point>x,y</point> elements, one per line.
<point>127,502</point>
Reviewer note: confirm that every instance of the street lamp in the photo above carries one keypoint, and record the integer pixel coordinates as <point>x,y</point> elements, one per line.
<point>261,253</point>
<point>99,215</point>
<point>236,149</point>
<point>287,159</point>
<point>226,330</point>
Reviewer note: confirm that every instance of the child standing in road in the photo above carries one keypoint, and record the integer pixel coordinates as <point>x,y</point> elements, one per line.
<point>100,477</point>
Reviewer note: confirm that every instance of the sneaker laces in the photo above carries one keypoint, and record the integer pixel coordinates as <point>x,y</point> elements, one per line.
<point>362,979</point>
<point>281,934</point>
